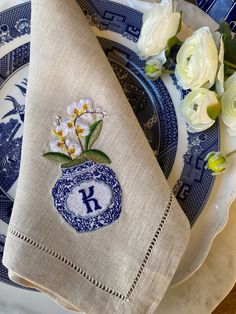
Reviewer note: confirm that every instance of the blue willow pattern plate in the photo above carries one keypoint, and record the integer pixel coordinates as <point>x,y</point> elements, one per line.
<point>151,102</point>
<point>154,107</point>
<point>14,22</point>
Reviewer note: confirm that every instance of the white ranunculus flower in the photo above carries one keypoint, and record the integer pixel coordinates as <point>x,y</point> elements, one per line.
<point>200,109</point>
<point>159,25</point>
<point>229,104</point>
<point>197,60</point>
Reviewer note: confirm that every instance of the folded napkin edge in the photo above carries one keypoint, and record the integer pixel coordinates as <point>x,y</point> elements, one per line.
<point>49,256</point>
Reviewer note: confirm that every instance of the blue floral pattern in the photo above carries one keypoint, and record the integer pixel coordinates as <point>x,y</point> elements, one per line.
<point>10,143</point>
<point>11,122</point>
<point>15,22</point>
<point>150,102</point>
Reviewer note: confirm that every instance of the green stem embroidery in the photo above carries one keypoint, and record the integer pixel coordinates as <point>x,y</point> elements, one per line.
<point>67,149</point>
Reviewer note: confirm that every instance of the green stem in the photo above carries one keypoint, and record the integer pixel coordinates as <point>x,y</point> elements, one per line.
<point>179,42</point>
<point>230,64</point>
<point>80,142</point>
<point>168,71</point>
<point>230,71</point>
<point>230,154</point>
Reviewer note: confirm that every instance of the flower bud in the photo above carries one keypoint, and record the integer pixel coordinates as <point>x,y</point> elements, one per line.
<point>153,69</point>
<point>216,162</point>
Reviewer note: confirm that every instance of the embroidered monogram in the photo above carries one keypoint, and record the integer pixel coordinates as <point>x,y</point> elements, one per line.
<point>87,195</point>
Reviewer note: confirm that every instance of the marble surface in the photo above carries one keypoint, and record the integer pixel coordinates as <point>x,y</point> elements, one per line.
<point>202,293</point>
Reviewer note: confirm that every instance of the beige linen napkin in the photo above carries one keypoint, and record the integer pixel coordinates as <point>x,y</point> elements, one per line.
<point>125,265</point>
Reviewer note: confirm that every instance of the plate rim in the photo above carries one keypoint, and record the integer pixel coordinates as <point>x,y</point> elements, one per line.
<point>220,226</point>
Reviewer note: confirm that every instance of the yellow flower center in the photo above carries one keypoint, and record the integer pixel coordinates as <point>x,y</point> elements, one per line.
<point>60,133</point>
<point>75,111</point>
<point>79,130</point>
<point>60,144</point>
<point>85,106</point>
<point>72,150</point>
<point>70,124</point>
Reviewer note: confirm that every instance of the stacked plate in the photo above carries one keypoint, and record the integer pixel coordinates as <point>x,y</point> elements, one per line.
<point>156,105</point>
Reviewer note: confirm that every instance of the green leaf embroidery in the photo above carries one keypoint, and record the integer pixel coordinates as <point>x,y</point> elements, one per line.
<point>57,157</point>
<point>95,130</point>
<point>230,45</point>
<point>96,156</point>
<point>74,162</point>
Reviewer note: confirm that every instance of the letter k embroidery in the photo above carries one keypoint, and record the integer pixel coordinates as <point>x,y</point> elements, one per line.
<point>89,200</point>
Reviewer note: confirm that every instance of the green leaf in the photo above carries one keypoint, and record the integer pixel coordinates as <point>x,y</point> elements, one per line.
<point>228,71</point>
<point>180,23</point>
<point>171,43</point>
<point>225,30</point>
<point>95,130</point>
<point>229,43</point>
<point>58,157</point>
<point>97,156</point>
<point>174,40</point>
<point>74,162</point>
<point>213,110</point>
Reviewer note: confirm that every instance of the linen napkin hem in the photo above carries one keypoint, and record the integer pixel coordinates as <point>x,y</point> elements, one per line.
<point>129,302</point>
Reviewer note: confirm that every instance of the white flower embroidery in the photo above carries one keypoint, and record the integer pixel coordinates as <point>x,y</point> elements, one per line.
<point>60,131</point>
<point>73,149</point>
<point>68,125</point>
<point>73,135</point>
<point>76,109</point>
<point>82,129</point>
<point>57,146</point>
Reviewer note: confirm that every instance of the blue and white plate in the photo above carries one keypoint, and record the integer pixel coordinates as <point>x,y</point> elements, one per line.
<point>14,73</point>
<point>150,101</point>
<point>14,23</point>
<point>156,105</point>
<point>220,10</point>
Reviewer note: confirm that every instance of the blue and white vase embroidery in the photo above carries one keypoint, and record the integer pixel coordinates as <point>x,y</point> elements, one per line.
<point>87,195</point>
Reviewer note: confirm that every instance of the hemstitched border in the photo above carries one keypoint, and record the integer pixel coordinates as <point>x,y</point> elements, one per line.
<point>151,246</point>
<point>91,279</point>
